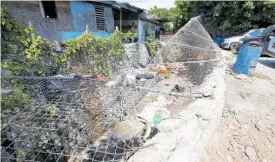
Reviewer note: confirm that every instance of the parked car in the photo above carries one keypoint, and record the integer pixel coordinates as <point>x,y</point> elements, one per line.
<point>266,41</point>
<point>232,42</point>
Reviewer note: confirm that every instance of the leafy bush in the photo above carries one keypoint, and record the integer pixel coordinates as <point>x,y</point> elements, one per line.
<point>24,52</point>
<point>16,98</point>
<point>152,46</point>
<point>104,53</point>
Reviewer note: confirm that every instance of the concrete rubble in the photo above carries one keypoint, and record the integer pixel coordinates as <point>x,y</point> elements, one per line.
<point>185,135</point>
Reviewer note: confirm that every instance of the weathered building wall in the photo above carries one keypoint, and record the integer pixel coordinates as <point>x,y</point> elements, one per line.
<point>25,12</point>
<point>144,25</point>
<point>71,21</point>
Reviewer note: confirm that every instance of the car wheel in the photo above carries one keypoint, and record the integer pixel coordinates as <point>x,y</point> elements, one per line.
<point>233,46</point>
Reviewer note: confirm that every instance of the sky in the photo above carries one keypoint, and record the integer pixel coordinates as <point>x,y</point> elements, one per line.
<point>147,4</point>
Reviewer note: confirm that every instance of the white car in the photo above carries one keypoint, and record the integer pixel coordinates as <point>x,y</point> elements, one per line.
<point>232,42</point>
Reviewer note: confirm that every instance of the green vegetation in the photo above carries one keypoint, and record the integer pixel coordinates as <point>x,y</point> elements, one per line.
<point>52,110</point>
<point>105,53</point>
<point>21,155</point>
<point>23,51</point>
<point>152,46</point>
<point>16,98</point>
<point>164,13</point>
<point>235,16</point>
<point>26,53</point>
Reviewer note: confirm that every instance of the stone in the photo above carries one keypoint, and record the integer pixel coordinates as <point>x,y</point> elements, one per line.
<point>207,91</point>
<point>251,154</point>
<point>169,124</point>
<point>178,88</point>
<point>241,77</point>
<point>126,130</point>
<point>57,46</point>
<point>130,79</point>
<point>112,83</point>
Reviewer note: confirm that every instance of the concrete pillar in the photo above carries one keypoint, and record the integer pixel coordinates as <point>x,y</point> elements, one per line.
<point>120,20</point>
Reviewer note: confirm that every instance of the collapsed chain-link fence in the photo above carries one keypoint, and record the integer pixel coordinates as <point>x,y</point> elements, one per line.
<point>60,119</point>
<point>72,119</point>
<point>193,45</point>
<point>81,119</point>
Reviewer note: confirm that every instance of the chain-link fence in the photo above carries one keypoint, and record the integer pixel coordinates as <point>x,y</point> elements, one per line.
<point>51,119</point>
<point>193,46</point>
<point>72,119</point>
<point>82,119</point>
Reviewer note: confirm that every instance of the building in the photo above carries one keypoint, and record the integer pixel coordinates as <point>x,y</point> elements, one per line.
<point>62,20</point>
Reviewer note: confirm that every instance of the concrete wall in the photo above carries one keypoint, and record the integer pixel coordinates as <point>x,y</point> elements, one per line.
<point>71,21</point>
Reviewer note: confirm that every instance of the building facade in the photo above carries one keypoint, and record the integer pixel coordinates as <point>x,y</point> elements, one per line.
<point>62,20</point>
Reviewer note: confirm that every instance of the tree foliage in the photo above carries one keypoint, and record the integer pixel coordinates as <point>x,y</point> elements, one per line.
<point>164,13</point>
<point>180,14</point>
<point>233,16</point>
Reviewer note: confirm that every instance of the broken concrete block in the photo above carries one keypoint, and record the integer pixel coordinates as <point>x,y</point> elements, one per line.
<point>126,130</point>
<point>169,124</point>
<point>130,79</point>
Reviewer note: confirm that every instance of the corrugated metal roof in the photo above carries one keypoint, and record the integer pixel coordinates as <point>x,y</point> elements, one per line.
<point>122,5</point>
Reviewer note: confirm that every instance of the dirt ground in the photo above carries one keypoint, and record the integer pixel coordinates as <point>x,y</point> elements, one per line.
<point>247,127</point>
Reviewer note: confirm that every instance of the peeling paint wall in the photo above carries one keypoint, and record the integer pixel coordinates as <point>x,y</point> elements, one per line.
<point>71,21</point>
<point>83,14</point>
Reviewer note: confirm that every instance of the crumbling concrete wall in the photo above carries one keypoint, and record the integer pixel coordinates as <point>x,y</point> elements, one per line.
<point>136,55</point>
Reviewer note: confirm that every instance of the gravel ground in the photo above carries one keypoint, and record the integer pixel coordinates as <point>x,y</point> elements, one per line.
<point>247,128</point>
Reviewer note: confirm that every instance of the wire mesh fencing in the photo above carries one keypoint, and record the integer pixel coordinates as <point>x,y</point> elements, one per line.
<point>81,119</point>
<point>51,119</point>
<point>71,119</point>
<point>193,46</point>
